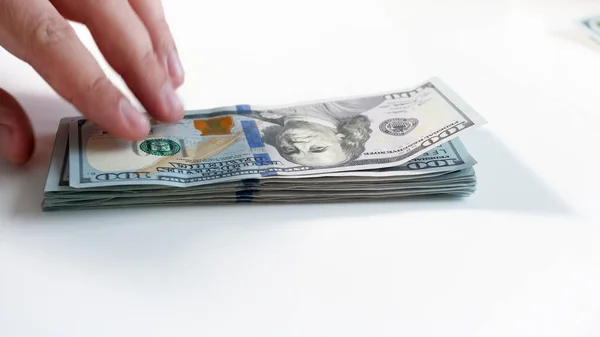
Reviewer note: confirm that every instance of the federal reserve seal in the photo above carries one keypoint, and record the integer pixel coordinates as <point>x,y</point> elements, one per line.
<point>398,126</point>
<point>160,147</point>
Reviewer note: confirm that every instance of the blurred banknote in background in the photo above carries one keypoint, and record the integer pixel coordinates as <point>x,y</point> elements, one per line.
<point>592,26</point>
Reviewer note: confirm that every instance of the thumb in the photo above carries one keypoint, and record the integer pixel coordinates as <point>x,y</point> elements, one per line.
<point>16,133</point>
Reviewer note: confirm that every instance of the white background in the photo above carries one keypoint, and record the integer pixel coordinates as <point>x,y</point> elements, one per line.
<point>519,258</point>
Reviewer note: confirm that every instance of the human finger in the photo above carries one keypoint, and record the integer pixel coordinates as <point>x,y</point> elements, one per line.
<point>16,133</point>
<point>152,15</point>
<point>125,43</point>
<point>35,32</point>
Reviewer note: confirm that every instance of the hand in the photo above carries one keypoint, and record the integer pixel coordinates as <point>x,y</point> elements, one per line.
<point>133,37</point>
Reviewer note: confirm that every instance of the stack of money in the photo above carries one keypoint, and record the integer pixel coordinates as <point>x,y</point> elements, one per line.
<point>386,146</point>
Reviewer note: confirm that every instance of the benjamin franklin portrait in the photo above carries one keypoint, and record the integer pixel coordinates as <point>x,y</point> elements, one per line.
<point>322,134</point>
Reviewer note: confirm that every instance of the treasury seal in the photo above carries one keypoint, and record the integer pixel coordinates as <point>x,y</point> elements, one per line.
<point>160,147</point>
<point>398,126</point>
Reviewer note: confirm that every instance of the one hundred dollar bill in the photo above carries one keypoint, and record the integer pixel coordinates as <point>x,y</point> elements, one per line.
<point>240,142</point>
<point>447,157</point>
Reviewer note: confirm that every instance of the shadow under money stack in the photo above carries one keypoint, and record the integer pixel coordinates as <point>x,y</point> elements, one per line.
<point>381,147</point>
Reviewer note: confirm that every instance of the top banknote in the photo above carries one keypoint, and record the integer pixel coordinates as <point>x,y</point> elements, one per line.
<point>252,142</point>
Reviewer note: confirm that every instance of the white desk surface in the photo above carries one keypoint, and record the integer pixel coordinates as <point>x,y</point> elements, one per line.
<point>519,258</point>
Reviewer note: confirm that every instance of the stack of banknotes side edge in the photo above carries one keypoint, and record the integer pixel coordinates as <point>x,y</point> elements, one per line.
<point>394,145</point>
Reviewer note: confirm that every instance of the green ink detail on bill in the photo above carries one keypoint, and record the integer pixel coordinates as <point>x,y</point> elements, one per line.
<point>160,147</point>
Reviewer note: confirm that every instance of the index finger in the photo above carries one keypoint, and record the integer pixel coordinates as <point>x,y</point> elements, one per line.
<point>40,36</point>
<point>152,14</point>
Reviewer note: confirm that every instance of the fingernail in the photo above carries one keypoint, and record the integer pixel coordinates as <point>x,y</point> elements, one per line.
<point>171,101</point>
<point>134,118</point>
<point>174,65</point>
<point>5,139</point>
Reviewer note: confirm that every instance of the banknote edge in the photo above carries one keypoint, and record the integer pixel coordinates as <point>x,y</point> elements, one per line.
<point>59,151</point>
<point>459,102</point>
